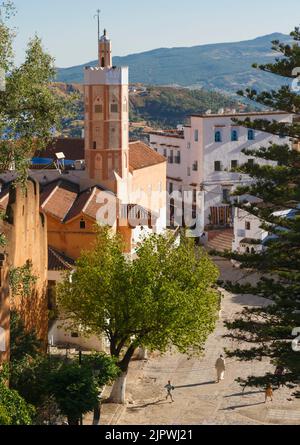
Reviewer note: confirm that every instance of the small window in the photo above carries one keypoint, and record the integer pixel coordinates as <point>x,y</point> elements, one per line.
<point>75,335</point>
<point>82,224</point>
<point>102,62</point>
<point>194,195</point>
<point>234,164</point>
<point>250,162</point>
<point>95,145</point>
<point>165,153</point>
<point>218,136</point>
<point>189,171</point>
<point>114,108</point>
<point>196,135</point>
<point>251,135</point>
<point>195,166</point>
<point>218,167</point>
<point>226,195</point>
<point>98,108</point>
<point>189,145</point>
<point>171,157</point>
<point>171,188</point>
<point>248,225</point>
<point>178,158</point>
<point>234,136</point>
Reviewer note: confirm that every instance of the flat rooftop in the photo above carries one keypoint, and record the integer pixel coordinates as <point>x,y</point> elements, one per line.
<point>258,113</point>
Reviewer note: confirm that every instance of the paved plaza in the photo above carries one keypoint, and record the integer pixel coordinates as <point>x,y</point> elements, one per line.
<point>198,399</point>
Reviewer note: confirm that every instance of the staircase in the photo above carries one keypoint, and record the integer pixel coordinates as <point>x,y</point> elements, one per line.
<point>220,240</point>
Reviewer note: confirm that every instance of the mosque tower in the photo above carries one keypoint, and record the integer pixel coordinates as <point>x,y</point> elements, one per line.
<point>106,119</point>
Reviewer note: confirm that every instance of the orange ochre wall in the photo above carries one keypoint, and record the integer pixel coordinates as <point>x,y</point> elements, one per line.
<point>69,238</point>
<point>26,235</point>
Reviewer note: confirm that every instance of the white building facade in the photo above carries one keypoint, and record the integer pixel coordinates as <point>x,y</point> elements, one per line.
<point>201,159</point>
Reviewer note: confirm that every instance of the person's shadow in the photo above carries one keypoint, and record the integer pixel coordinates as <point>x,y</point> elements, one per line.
<point>146,405</point>
<point>194,385</point>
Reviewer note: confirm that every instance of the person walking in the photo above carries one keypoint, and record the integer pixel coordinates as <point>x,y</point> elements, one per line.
<point>220,368</point>
<point>169,387</point>
<point>269,393</point>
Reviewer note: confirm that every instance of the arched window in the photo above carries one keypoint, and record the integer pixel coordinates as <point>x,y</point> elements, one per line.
<point>234,135</point>
<point>103,62</point>
<point>218,136</point>
<point>248,250</point>
<point>251,135</point>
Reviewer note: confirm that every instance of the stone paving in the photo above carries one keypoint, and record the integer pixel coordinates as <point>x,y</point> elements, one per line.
<point>198,399</point>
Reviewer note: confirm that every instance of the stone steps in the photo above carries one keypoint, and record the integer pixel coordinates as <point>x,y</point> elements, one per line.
<point>220,240</point>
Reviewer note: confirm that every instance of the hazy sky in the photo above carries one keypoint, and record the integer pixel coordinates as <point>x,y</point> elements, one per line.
<point>69,30</point>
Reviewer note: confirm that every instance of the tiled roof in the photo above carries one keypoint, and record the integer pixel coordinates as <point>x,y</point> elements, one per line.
<point>58,261</point>
<point>73,148</point>
<point>58,198</point>
<point>141,156</point>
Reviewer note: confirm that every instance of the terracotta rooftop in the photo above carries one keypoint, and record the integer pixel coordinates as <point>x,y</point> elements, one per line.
<point>57,198</point>
<point>57,261</point>
<point>86,203</point>
<point>140,155</point>
<point>73,149</point>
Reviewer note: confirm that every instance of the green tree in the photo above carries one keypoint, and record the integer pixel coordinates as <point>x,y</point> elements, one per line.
<point>165,297</point>
<point>268,330</point>
<point>22,343</point>
<point>30,111</point>
<point>75,390</point>
<point>14,410</point>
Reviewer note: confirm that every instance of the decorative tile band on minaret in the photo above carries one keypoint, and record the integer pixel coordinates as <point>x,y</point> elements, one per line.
<point>106,119</point>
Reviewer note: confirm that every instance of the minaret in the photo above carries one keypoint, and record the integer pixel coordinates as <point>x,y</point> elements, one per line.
<point>106,119</point>
<point>105,57</point>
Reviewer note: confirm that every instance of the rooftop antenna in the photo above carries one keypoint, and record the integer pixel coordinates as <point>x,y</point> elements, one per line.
<point>98,19</point>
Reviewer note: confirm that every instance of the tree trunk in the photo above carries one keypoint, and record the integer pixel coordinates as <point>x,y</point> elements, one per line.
<point>143,354</point>
<point>118,393</point>
<point>97,413</point>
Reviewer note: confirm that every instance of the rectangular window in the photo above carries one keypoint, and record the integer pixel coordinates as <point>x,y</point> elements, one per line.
<point>234,164</point>
<point>226,195</point>
<point>250,162</point>
<point>171,157</point>
<point>194,195</point>
<point>189,171</point>
<point>114,108</point>
<point>218,167</point>
<point>189,145</point>
<point>248,225</point>
<point>165,152</point>
<point>195,166</point>
<point>196,135</point>
<point>82,225</point>
<point>171,188</point>
<point>95,145</point>
<point>178,158</point>
<point>98,109</point>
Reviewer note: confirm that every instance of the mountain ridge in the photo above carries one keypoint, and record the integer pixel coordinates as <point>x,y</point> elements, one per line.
<point>214,66</point>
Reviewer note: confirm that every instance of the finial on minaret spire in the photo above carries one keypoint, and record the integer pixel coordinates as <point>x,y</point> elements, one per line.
<point>98,19</point>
